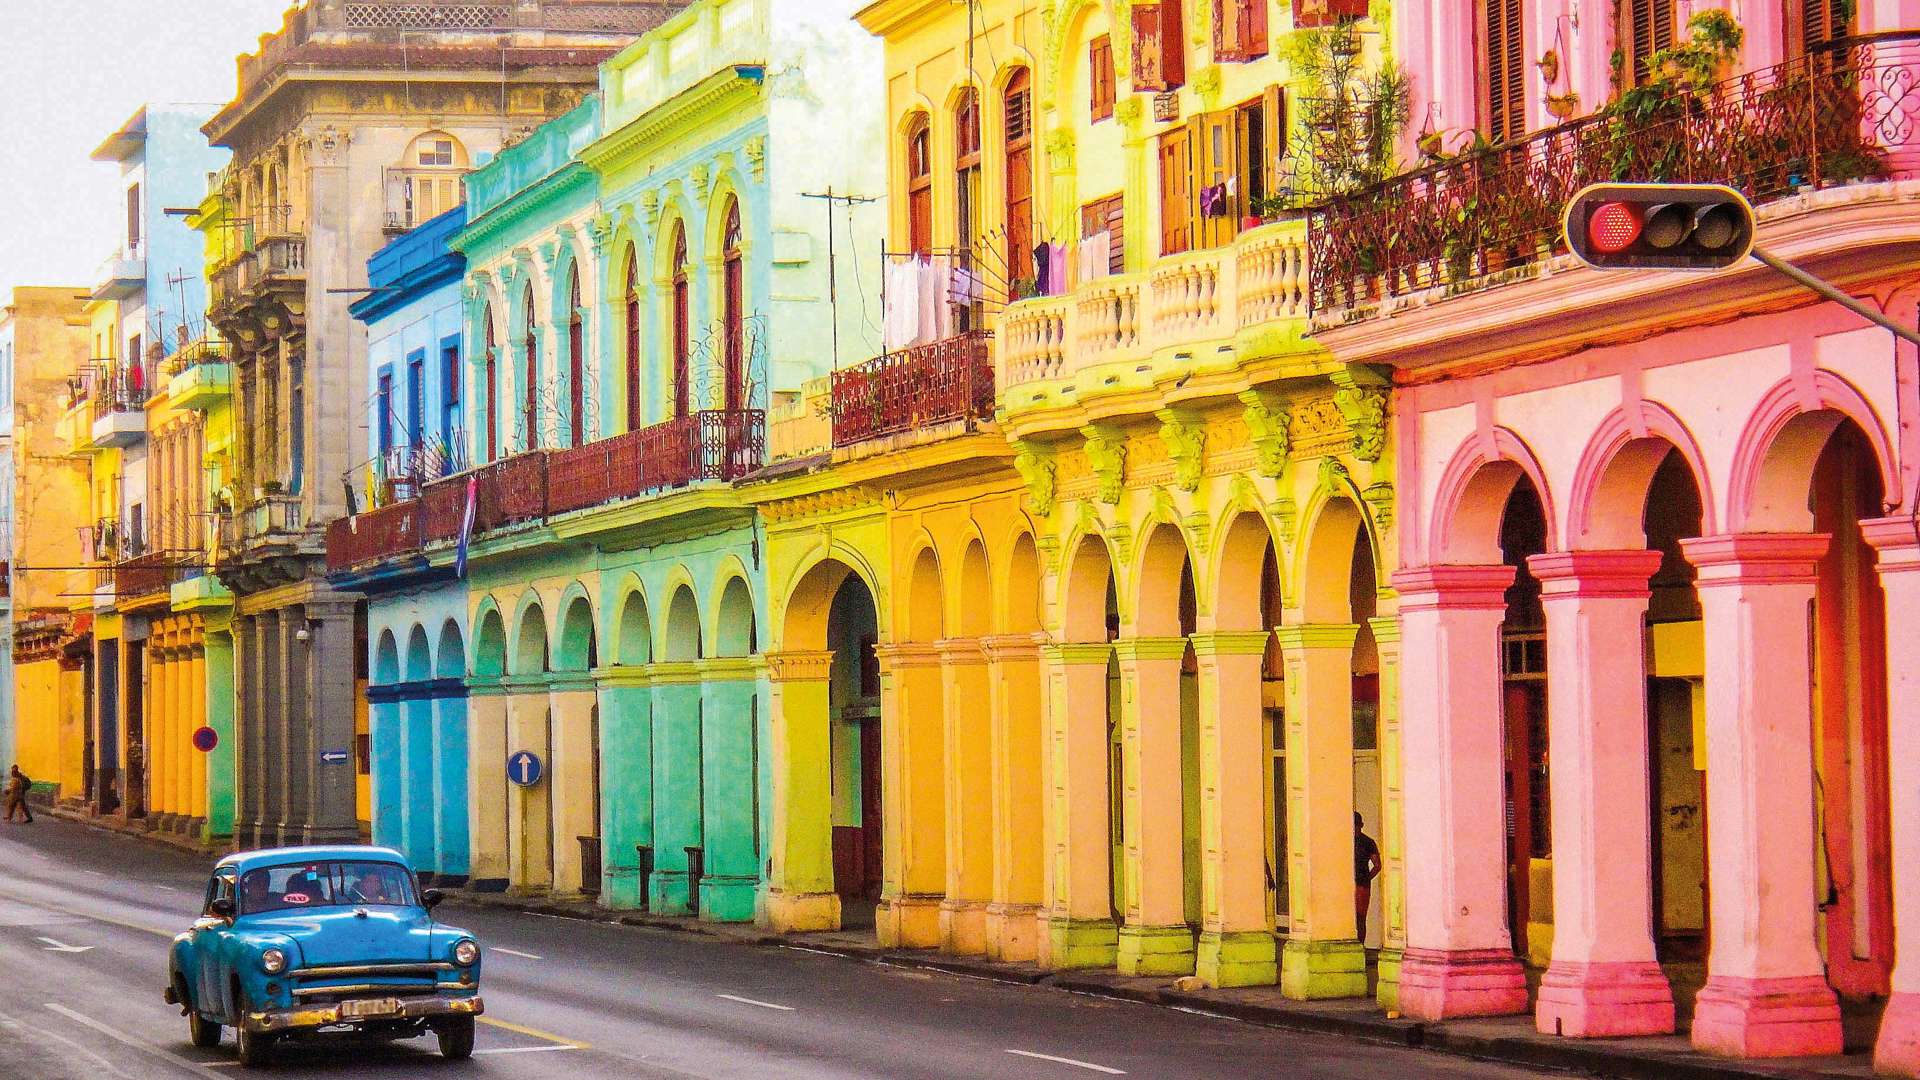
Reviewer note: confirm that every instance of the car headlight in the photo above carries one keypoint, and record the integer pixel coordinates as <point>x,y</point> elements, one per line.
<point>465,952</point>
<point>273,961</point>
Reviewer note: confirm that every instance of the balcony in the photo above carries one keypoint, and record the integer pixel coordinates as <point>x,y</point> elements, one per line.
<point>147,575</point>
<point>1181,304</point>
<point>119,408</point>
<point>947,381</point>
<point>202,378</point>
<point>272,516</point>
<point>713,444</point>
<point>510,492</point>
<point>383,533</point>
<point>122,275</point>
<point>1842,115</point>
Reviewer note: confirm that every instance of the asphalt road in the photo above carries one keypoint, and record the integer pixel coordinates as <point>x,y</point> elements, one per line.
<point>86,916</point>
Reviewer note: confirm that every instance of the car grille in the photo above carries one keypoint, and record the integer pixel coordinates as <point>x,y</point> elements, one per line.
<point>365,980</point>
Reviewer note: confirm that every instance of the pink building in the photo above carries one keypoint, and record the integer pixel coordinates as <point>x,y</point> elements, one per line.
<point>1661,590</point>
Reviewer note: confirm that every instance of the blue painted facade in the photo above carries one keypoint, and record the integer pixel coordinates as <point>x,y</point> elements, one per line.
<point>416,611</point>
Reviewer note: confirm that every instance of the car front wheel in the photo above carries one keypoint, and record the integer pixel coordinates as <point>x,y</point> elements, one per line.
<point>255,1048</point>
<point>203,1031</point>
<point>456,1037</point>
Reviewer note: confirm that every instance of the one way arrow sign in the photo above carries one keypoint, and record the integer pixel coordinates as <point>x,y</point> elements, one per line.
<point>58,946</point>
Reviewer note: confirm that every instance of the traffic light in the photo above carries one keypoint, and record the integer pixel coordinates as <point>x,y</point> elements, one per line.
<point>1659,226</point>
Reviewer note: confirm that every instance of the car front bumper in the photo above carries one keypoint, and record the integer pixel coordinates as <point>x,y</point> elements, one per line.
<point>306,1017</point>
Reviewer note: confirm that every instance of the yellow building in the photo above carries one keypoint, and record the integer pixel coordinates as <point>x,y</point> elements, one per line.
<point>1173,634</point>
<point>43,345</point>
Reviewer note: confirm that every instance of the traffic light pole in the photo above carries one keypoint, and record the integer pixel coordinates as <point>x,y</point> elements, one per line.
<point>1837,295</point>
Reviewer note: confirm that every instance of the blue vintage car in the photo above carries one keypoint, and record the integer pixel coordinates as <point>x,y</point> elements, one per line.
<point>293,941</point>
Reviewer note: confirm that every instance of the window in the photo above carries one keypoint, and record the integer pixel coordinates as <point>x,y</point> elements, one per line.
<point>634,420</point>
<point>416,433</point>
<point>1017,106</point>
<point>682,328</point>
<point>1159,46</point>
<point>426,182</point>
<point>576,362</point>
<point>1100,80</point>
<point>449,402</point>
<point>493,388</point>
<point>1649,29</point>
<point>919,187</point>
<point>1503,112</point>
<point>1177,192</point>
<point>966,202</point>
<point>530,380</point>
<point>735,314</point>
<point>383,412</point>
<point>133,219</point>
<point>1239,29</point>
<point>325,884</point>
<point>1311,13</point>
<point>436,151</point>
<point>1813,23</point>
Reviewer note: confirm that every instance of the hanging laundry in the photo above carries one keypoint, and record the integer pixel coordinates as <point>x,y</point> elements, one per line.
<point>902,315</point>
<point>1042,276</point>
<point>966,288</point>
<point>1057,262</point>
<point>935,282</point>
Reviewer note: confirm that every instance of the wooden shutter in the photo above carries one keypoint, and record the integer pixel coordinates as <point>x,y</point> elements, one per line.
<point>1312,13</point>
<point>1274,114</point>
<point>1100,78</point>
<point>1159,46</point>
<point>1239,30</point>
<point>1813,23</point>
<point>1649,29</point>
<point>1504,70</point>
<point>1217,154</point>
<point>1176,190</point>
<point>1019,129</point>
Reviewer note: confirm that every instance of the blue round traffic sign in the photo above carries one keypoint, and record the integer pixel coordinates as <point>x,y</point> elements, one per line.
<point>524,768</point>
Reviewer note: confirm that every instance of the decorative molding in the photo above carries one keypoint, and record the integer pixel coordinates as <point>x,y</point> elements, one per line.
<point>1379,497</point>
<point>1106,450</point>
<point>1186,440</point>
<point>1286,517</point>
<point>1038,469</point>
<point>1269,429</point>
<point>650,206</point>
<point>697,178</point>
<point>1365,411</point>
<point>756,151</point>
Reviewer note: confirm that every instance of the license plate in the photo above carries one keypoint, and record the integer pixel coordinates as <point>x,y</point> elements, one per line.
<point>362,1008</point>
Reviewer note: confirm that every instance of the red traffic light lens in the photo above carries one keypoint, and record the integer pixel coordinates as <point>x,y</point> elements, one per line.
<point>1613,227</point>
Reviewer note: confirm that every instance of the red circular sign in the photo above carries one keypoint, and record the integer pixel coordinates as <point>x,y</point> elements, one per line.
<point>205,739</point>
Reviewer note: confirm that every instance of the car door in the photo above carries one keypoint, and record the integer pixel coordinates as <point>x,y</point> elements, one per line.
<point>209,932</point>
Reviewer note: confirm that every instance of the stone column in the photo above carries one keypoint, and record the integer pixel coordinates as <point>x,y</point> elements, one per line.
<point>800,892</point>
<point>222,694</point>
<point>967,740</point>
<point>487,783</point>
<point>415,789</point>
<point>384,726</point>
<point>1323,957</point>
<point>451,833</point>
<point>1017,752</point>
<point>729,753</point>
<point>678,809</point>
<point>1393,843</point>
<point>158,701</point>
<point>1604,979</point>
<point>244,730</point>
<point>1236,943</point>
<point>1897,541</point>
<point>626,770</point>
<point>272,738</point>
<point>1459,957</point>
<point>1080,930</point>
<point>199,713</point>
<point>529,809</point>
<point>1155,939</point>
<point>570,776</point>
<point>1766,993</point>
<point>294,718</point>
<point>912,764</point>
<point>324,668</point>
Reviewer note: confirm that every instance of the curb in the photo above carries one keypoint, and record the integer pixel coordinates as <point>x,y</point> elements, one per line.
<point>1456,1040</point>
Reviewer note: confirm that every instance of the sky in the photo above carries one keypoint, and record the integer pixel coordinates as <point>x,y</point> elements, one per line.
<point>73,71</point>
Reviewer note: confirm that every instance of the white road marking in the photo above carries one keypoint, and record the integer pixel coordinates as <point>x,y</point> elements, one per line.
<point>750,1001</point>
<point>526,1049</point>
<point>57,946</point>
<point>816,952</point>
<point>166,888</point>
<point>516,952</point>
<point>123,1039</point>
<point>1070,1061</point>
<point>96,873</point>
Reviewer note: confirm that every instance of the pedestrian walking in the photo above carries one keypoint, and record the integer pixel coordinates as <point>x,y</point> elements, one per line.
<point>17,787</point>
<point>1366,867</point>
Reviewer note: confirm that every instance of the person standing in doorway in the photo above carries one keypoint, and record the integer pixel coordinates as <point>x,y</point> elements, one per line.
<point>17,787</point>
<point>1366,867</point>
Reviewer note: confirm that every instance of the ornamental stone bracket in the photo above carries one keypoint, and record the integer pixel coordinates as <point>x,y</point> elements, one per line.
<point>1039,470</point>
<point>1186,440</point>
<point>1362,401</point>
<point>697,179</point>
<point>1379,497</point>
<point>756,151</point>
<point>1267,427</point>
<point>1106,450</point>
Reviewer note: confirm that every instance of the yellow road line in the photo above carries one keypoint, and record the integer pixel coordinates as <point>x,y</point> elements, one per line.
<point>535,1033</point>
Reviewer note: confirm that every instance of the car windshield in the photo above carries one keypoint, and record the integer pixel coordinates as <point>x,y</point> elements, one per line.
<point>325,884</point>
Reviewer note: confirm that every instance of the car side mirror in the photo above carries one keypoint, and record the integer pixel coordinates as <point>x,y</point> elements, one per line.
<point>431,898</point>
<point>223,907</point>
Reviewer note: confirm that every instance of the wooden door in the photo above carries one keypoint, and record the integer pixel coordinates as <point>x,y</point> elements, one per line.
<point>1176,191</point>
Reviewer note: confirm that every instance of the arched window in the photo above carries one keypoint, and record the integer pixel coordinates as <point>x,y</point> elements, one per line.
<point>493,389</point>
<point>1017,106</point>
<point>966,204</point>
<point>634,420</point>
<point>576,362</point>
<point>426,182</point>
<point>682,322</point>
<point>734,318</point>
<point>529,380</point>
<point>919,187</point>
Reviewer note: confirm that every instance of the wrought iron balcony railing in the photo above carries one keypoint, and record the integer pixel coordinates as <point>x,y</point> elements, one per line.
<point>941,382</point>
<point>1847,112</point>
<point>383,533</point>
<point>148,574</point>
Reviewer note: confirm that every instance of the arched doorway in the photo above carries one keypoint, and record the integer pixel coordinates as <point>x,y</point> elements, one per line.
<point>530,729</point>
<point>1086,839</point>
<point>385,728</point>
<point>678,781</point>
<point>1018,751</point>
<point>574,771</point>
<point>853,703</point>
<point>451,757</point>
<point>487,743</point>
<point>730,711</point>
<point>416,753</point>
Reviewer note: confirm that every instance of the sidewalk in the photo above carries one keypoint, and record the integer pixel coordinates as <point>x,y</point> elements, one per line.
<point>1509,1040</point>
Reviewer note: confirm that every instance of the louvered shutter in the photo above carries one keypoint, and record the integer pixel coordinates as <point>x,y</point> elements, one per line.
<point>1649,30</point>
<point>1312,13</point>
<point>1228,31</point>
<point>1505,73</point>
<point>1159,46</point>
